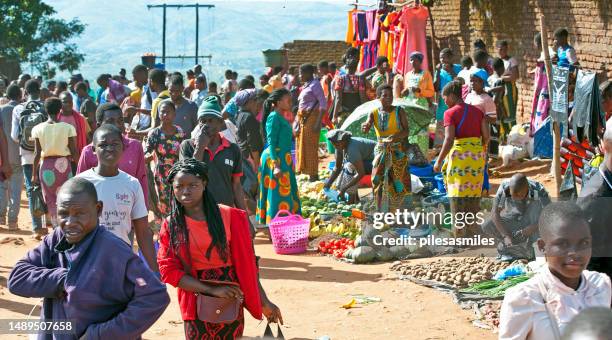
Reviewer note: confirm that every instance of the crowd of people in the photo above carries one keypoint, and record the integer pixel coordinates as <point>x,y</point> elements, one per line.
<point>203,158</point>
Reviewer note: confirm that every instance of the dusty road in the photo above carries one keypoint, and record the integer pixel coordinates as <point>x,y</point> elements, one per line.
<point>310,290</point>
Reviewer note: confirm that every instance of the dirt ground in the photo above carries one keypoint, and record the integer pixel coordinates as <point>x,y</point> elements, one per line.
<point>310,290</point>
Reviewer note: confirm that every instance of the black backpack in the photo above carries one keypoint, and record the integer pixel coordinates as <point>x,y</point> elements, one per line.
<point>32,115</point>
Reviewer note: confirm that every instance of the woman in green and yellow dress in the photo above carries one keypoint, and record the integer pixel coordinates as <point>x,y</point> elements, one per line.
<point>390,169</point>
<point>278,188</point>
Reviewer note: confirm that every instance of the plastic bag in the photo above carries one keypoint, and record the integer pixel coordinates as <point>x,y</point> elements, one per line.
<point>39,207</point>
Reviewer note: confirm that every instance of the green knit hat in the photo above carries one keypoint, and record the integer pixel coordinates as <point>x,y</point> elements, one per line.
<point>210,107</point>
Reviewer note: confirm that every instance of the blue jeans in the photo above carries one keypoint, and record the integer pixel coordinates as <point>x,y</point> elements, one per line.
<point>10,195</point>
<point>27,174</point>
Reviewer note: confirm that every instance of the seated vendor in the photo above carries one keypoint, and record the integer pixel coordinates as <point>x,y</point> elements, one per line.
<point>514,217</point>
<point>354,156</point>
<point>88,275</point>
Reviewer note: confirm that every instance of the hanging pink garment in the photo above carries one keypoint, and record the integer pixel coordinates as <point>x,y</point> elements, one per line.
<point>541,101</point>
<point>414,22</point>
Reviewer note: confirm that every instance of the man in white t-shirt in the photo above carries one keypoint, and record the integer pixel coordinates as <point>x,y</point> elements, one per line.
<point>123,200</point>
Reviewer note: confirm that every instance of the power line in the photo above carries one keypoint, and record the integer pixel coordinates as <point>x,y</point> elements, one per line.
<point>197,14</point>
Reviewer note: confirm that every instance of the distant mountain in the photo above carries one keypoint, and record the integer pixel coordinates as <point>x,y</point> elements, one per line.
<point>234,32</point>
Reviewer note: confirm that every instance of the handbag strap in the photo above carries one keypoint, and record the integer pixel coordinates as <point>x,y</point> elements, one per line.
<point>553,321</point>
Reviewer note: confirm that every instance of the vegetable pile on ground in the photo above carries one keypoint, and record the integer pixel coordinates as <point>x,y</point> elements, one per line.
<point>455,272</point>
<point>342,226</point>
<point>310,190</point>
<point>337,248</point>
<point>496,288</point>
<point>323,207</point>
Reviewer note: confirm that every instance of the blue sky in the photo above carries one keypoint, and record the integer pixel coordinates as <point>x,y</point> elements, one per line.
<point>235,32</point>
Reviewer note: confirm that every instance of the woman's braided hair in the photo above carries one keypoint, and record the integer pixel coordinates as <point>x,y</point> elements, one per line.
<point>268,106</point>
<point>177,227</point>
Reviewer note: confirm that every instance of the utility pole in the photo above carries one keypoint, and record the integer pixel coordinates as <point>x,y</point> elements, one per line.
<point>197,34</point>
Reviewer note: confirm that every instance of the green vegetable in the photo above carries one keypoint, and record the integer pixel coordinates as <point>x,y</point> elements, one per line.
<point>494,288</point>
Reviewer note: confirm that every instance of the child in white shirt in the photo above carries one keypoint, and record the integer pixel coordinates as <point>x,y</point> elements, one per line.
<point>541,307</point>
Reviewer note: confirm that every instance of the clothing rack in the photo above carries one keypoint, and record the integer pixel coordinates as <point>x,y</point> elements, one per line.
<point>406,3</point>
<point>357,4</point>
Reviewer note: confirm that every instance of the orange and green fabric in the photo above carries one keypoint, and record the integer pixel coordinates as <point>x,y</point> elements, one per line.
<point>277,193</point>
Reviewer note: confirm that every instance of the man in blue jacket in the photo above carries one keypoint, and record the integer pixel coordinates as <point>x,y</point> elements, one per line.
<point>88,275</point>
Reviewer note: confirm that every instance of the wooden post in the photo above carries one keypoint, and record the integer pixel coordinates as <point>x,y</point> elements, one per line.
<point>434,57</point>
<point>556,161</point>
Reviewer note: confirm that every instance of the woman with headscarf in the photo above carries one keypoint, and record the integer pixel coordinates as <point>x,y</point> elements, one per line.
<point>417,84</point>
<point>354,157</point>
<point>390,168</point>
<point>311,107</point>
<point>249,139</point>
<point>248,136</point>
<point>349,86</point>
<point>277,184</point>
<point>465,141</point>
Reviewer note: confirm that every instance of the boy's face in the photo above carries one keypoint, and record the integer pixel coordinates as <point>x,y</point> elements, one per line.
<point>304,77</point>
<point>500,70</point>
<point>476,83</point>
<point>103,83</point>
<point>200,85</point>
<point>561,40</point>
<point>323,70</point>
<point>386,98</point>
<point>66,102</point>
<point>383,68</point>
<point>445,58</point>
<point>502,51</point>
<point>519,194</point>
<point>416,64</point>
<point>211,125</point>
<point>567,248</point>
<point>140,77</point>
<point>114,118</point>
<point>176,92</point>
<point>108,148</point>
<point>77,214</point>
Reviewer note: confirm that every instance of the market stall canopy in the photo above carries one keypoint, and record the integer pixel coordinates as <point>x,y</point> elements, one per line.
<point>418,116</point>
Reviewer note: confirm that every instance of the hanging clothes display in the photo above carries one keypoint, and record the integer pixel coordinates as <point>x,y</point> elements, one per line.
<point>414,22</point>
<point>587,114</point>
<point>350,30</point>
<point>541,100</point>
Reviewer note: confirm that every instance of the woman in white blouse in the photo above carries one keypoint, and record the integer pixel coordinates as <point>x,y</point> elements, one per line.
<point>541,307</point>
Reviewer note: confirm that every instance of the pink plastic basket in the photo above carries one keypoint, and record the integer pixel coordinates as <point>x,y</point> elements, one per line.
<point>289,233</point>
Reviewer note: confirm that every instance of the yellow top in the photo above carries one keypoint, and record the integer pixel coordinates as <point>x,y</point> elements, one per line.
<point>53,138</point>
<point>136,95</point>
<point>386,123</point>
<point>165,94</point>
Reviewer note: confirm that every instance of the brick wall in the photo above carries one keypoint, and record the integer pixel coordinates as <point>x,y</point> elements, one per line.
<point>312,51</point>
<point>458,23</point>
